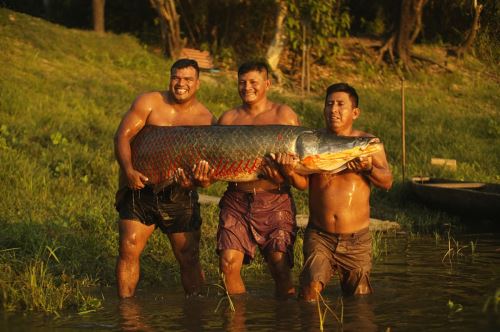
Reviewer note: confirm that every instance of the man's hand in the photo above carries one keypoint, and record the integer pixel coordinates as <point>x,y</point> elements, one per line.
<point>286,162</point>
<point>136,180</point>
<point>202,176</point>
<point>182,179</point>
<point>361,165</point>
<point>271,171</point>
<point>203,173</point>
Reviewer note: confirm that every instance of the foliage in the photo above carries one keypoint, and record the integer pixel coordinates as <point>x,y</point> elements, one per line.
<point>62,94</point>
<point>320,22</point>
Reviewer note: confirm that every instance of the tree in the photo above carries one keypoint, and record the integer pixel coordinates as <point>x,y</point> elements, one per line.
<point>172,43</point>
<point>409,24</point>
<point>98,15</point>
<point>312,27</point>
<point>467,44</point>
<point>278,42</point>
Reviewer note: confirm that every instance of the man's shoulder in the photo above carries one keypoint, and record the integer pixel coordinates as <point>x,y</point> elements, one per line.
<point>286,113</point>
<point>148,98</point>
<point>284,109</point>
<point>229,115</point>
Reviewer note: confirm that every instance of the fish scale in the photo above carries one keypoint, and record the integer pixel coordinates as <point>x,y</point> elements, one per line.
<point>236,152</point>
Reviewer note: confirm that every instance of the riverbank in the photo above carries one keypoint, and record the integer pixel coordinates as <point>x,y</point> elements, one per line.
<point>63,92</point>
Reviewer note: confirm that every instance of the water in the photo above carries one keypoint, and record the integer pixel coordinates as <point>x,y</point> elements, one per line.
<point>415,290</point>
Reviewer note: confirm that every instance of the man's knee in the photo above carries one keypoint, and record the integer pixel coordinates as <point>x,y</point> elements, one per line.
<point>129,248</point>
<point>188,257</point>
<point>229,265</point>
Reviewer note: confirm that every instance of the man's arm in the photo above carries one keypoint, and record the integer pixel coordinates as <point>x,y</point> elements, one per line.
<point>375,168</point>
<point>133,121</point>
<point>286,164</point>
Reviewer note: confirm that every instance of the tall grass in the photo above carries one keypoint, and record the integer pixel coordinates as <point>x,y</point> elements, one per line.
<point>62,95</point>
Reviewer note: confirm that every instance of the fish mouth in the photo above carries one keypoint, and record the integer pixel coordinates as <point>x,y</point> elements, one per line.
<point>336,161</point>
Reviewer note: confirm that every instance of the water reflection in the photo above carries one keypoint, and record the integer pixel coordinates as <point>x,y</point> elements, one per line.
<point>414,290</point>
<point>131,316</point>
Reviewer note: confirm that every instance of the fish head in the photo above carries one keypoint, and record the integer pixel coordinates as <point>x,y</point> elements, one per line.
<point>324,152</point>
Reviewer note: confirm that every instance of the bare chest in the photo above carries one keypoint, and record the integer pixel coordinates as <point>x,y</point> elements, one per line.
<point>169,116</point>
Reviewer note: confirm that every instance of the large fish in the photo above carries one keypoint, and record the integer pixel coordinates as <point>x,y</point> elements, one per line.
<point>237,152</point>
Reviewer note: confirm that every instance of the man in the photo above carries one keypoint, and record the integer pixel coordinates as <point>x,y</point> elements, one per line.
<point>141,206</point>
<point>337,238</point>
<point>259,213</point>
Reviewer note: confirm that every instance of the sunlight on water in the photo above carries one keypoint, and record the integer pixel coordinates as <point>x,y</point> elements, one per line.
<point>415,290</point>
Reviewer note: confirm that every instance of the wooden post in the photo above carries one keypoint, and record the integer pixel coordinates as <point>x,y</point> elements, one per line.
<point>403,131</point>
<point>304,46</point>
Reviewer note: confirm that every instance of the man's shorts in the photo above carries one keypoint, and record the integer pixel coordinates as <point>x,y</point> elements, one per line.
<point>173,209</point>
<point>347,254</point>
<point>263,219</point>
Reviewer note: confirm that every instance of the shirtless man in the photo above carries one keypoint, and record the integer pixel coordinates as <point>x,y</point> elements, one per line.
<point>259,213</point>
<point>141,206</point>
<point>337,238</point>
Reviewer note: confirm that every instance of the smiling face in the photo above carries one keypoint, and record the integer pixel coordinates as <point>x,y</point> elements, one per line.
<point>184,83</point>
<point>340,113</point>
<point>253,86</point>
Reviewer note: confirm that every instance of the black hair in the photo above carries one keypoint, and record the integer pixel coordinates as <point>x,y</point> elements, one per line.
<point>259,66</point>
<point>185,63</point>
<point>343,87</point>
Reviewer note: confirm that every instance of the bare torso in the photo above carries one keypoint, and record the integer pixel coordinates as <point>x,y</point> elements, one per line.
<point>274,114</point>
<point>339,203</point>
<point>165,113</point>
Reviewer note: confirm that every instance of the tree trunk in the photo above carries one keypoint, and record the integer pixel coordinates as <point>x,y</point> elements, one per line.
<point>172,43</point>
<point>98,15</point>
<point>467,44</point>
<point>419,6</point>
<point>276,47</point>
<point>407,23</point>
<point>399,43</point>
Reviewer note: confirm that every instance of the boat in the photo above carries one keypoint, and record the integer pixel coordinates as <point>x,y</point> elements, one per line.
<point>459,197</point>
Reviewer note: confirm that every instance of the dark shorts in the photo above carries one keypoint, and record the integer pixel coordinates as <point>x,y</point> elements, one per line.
<point>264,219</point>
<point>173,209</point>
<point>347,254</point>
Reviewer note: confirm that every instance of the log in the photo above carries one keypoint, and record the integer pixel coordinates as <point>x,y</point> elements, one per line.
<point>376,225</point>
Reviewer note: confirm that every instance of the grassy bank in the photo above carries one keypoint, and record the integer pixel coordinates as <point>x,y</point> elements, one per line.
<point>62,94</point>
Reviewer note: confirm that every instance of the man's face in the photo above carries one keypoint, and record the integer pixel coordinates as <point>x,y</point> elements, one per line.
<point>339,112</point>
<point>183,84</point>
<point>253,86</point>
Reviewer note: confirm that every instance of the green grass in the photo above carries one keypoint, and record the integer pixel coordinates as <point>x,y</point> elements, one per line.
<point>62,95</point>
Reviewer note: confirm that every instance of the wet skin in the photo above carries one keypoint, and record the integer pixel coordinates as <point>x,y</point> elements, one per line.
<point>176,107</point>
<point>256,109</point>
<point>339,203</point>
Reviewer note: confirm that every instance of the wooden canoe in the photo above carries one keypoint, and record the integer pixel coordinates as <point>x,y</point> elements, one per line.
<point>459,197</point>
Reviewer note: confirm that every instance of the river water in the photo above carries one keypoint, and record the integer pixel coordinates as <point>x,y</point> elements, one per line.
<point>417,287</point>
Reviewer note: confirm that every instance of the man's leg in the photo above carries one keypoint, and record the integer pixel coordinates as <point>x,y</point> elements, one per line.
<point>281,272</point>
<point>310,292</point>
<point>186,247</point>
<point>230,262</point>
<point>133,239</point>
<point>318,249</point>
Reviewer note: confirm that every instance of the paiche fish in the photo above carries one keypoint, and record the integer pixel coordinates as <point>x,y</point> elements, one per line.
<point>236,153</point>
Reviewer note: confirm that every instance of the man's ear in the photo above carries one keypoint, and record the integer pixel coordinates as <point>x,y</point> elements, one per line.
<point>356,112</point>
<point>268,83</point>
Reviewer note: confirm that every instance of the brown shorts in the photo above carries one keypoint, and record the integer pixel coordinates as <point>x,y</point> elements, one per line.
<point>347,254</point>
<point>173,209</point>
<point>264,219</point>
